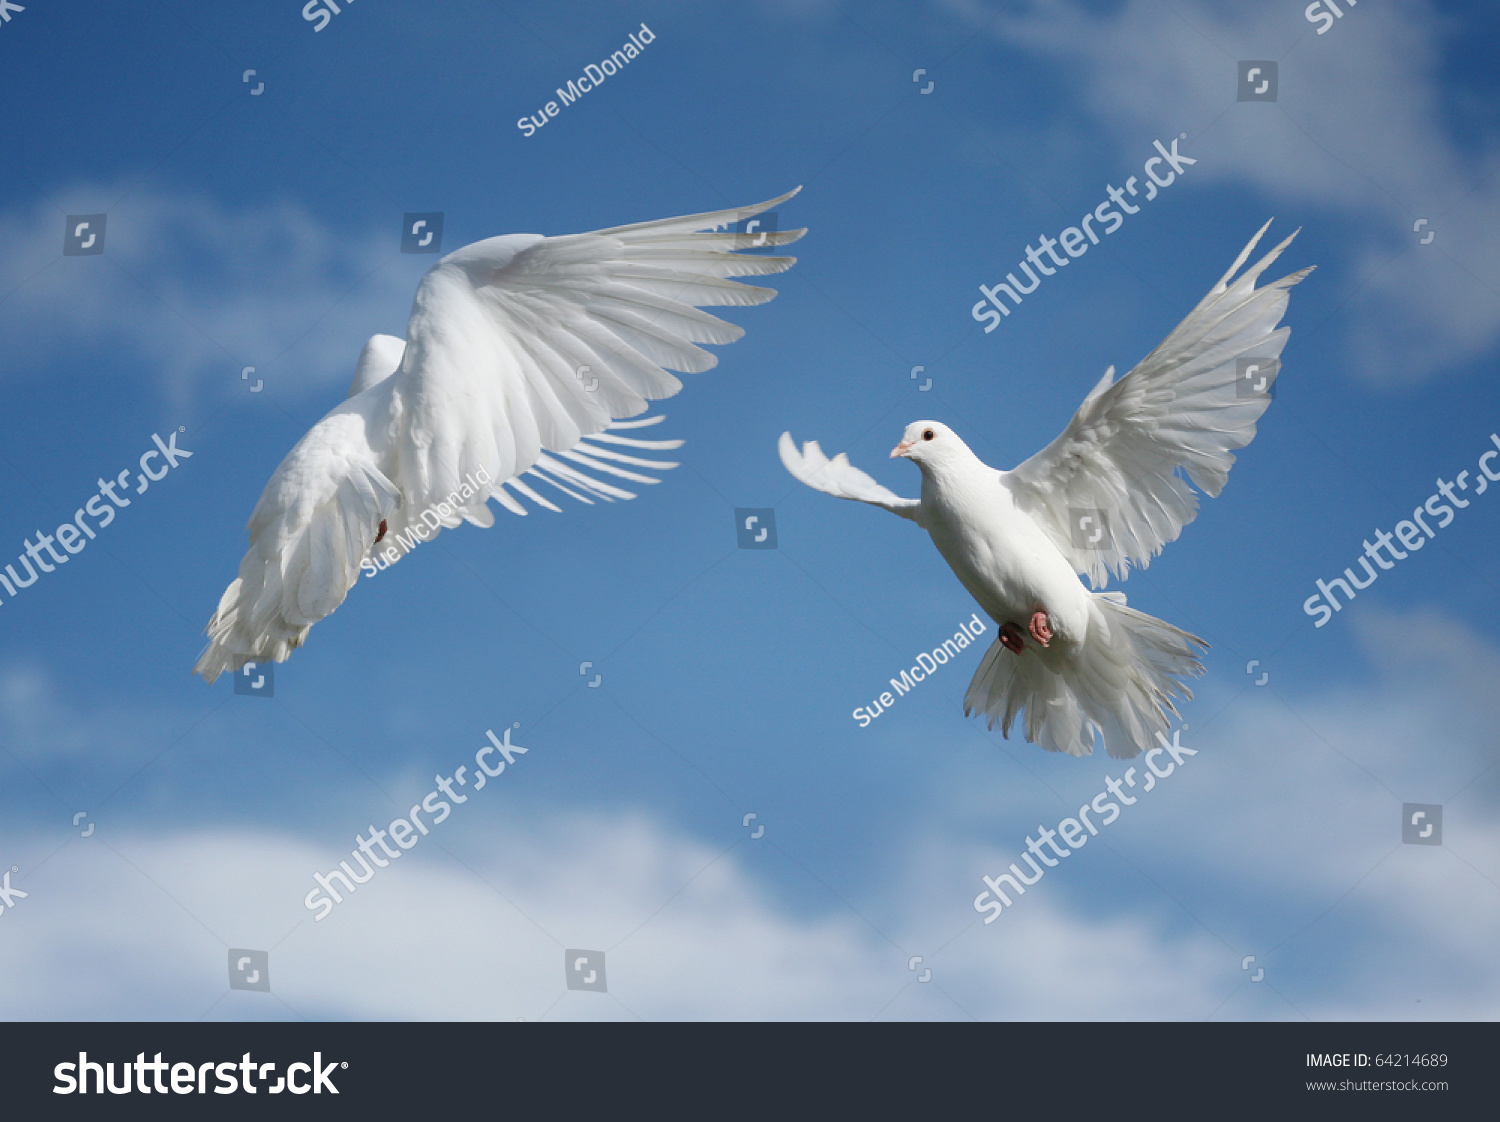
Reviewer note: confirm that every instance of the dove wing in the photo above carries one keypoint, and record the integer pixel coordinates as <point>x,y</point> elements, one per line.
<point>521,345</point>
<point>840,478</point>
<point>1127,456</point>
<point>523,355</point>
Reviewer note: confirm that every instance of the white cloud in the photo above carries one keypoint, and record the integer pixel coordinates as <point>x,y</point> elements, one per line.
<point>102,936</point>
<point>196,290</point>
<point>1359,130</point>
<point>1291,808</point>
<point>1280,839</point>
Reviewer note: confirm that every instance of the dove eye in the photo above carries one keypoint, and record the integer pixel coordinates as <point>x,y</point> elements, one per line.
<point>927,434</point>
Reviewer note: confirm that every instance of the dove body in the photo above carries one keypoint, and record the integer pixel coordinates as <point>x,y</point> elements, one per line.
<point>999,554</point>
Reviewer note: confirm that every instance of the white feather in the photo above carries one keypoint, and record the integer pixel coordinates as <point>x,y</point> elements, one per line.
<point>1129,452</point>
<point>522,356</point>
<point>840,478</point>
<point>1134,445</point>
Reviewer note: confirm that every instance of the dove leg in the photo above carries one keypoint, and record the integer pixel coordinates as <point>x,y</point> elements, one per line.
<point>1040,628</point>
<point>1011,639</point>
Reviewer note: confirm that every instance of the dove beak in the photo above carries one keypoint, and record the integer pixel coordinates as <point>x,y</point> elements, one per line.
<point>902,449</point>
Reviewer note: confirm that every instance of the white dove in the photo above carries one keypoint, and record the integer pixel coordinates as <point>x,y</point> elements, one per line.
<point>517,347</point>
<point>1108,492</point>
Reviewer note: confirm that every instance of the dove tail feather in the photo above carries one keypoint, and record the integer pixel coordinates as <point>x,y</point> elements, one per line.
<point>1118,683</point>
<point>242,631</point>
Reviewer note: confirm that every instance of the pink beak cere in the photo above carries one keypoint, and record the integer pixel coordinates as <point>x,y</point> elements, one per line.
<point>901,449</point>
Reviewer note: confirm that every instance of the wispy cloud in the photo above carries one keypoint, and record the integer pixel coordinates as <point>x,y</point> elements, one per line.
<point>1360,130</point>
<point>194,290</point>
<point>1281,840</point>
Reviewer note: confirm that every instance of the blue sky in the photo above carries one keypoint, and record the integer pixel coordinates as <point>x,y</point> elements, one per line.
<point>263,230</point>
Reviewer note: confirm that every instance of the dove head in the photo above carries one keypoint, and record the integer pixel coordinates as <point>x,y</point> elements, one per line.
<point>932,446</point>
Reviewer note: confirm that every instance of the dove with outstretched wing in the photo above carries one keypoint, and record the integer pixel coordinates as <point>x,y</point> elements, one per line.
<point>522,357</point>
<point>1109,492</point>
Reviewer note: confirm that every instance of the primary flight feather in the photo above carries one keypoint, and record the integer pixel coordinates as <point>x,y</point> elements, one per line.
<point>522,357</point>
<point>1109,492</point>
